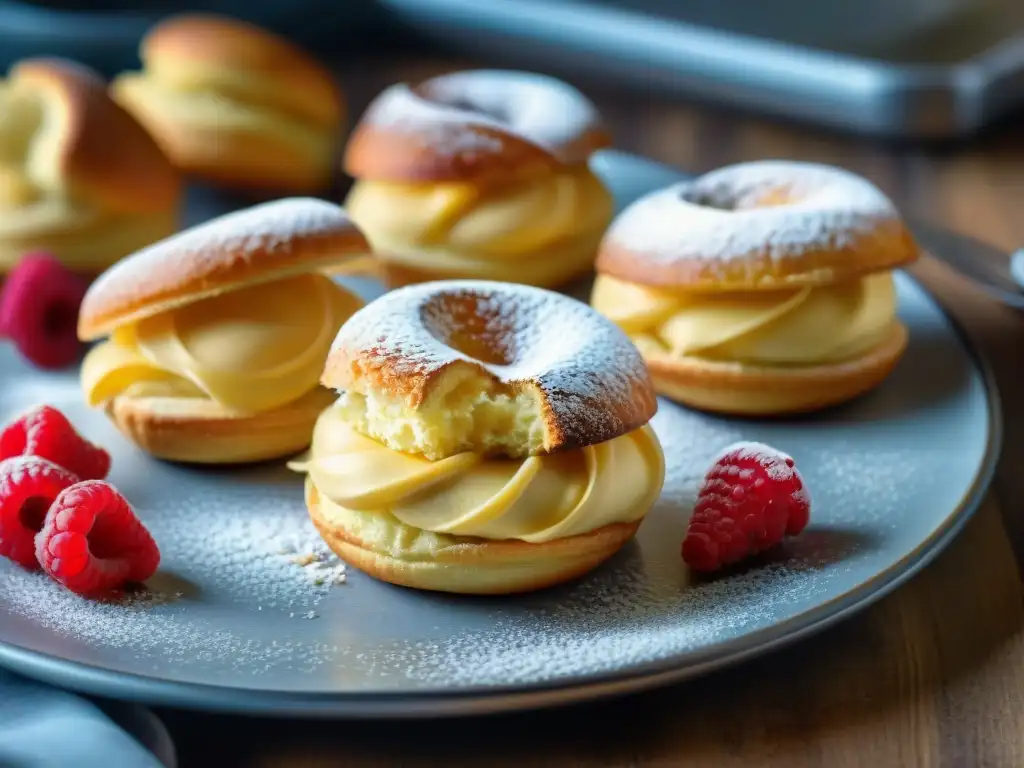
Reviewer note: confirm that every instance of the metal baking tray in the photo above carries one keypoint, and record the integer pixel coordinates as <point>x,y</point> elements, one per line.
<point>912,69</point>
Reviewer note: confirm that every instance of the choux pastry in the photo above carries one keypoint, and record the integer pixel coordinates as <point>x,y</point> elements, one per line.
<point>216,337</point>
<point>79,177</point>
<point>489,438</point>
<point>236,105</point>
<point>480,174</point>
<point>762,288</point>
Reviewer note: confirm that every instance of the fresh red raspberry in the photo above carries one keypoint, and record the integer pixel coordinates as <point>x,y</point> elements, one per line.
<point>752,497</point>
<point>46,432</point>
<point>92,542</point>
<point>28,486</point>
<point>39,310</point>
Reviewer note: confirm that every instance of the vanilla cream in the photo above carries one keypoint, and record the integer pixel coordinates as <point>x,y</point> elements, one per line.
<point>251,350</point>
<point>802,326</point>
<point>529,231</point>
<point>217,107</point>
<point>536,499</point>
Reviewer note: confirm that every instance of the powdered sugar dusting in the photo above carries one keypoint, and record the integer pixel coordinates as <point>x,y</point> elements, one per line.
<point>18,469</point>
<point>584,363</point>
<point>646,606</point>
<point>445,111</point>
<point>237,603</point>
<point>263,557</point>
<point>778,465</point>
<point>731,214</point>
<point>266,231</point>
<point>451,132</point>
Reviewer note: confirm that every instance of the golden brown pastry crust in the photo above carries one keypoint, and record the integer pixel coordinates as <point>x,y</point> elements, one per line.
<point>438,130</point>
<point>290,79</point>
<point>478,566</point>
<point>199,431</point>
<point>594,388</point>
<point>746,390</point>
<point>102,154</point>
<point>261,243</point>
<point>757,226</point>
<point>286,110</point>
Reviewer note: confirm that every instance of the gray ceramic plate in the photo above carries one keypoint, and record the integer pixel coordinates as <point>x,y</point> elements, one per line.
<point>234,621</point>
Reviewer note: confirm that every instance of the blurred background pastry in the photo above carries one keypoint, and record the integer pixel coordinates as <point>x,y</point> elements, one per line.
<point>237,105</point>
<point>79,177</point>
<point>761,288</point>
<point>218,335</point>
<point>489,439</point>
<point>480,174</point>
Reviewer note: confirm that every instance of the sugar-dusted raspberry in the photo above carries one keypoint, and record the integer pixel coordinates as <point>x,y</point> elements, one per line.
<point>751,499</point>
<point>92,542</point>
<point>46,432</point>
<point>39,310</point>
<point>28,486</point>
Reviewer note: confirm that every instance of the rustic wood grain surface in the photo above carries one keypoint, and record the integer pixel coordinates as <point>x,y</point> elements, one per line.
<point>933,675</point>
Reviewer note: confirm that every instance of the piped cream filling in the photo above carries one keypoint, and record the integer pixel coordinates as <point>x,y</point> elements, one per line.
<point>208,108</point>
<point>803,326</point>
<point>534,499</point>
<point>250,350</point>
<point>529,232</point>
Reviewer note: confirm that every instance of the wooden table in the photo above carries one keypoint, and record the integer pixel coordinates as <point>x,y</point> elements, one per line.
<point>932,675</point>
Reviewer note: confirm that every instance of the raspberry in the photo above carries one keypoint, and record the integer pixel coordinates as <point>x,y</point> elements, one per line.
<point>28,486</point>
<point>751,499</point>
<point>92,542</point>
<point>39,310</point>
<point>46,432</point>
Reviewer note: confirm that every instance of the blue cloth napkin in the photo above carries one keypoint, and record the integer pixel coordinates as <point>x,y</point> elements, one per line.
<point>42,727</point>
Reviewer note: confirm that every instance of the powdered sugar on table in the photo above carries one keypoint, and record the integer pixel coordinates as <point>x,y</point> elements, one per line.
<point>240,542</point>
<point>248,599</point>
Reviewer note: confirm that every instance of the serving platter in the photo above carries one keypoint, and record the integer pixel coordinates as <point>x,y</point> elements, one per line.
<point>249,613</point>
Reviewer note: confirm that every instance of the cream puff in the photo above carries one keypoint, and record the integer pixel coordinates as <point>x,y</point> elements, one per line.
<point>759,289</point>
<point>237,105</point>
<point>480,174</point>
<point>489,438</point>
<point>79,177</point>
<point>217,336</point>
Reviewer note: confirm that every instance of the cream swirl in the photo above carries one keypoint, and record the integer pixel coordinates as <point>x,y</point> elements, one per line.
<point>533,231</point>
<point>804,326</point>
<point>251,350</point>
<point>535,499</point>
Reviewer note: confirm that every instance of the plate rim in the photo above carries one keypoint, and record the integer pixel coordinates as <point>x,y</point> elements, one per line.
<point>485,700</point>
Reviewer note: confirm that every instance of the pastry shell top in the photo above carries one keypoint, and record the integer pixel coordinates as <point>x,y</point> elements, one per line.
<point>259,244</point>
<point>757,226</point>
